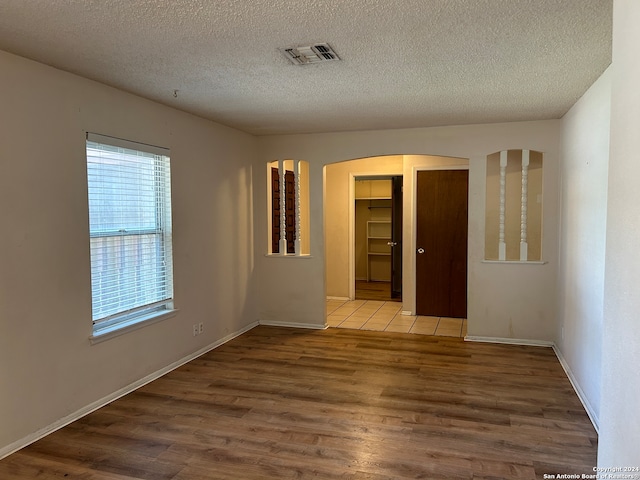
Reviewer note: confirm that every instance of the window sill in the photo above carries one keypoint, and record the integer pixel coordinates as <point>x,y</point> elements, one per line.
<point>131,325</point>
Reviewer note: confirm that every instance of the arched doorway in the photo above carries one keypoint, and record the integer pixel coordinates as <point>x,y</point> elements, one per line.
<point>340,213</point>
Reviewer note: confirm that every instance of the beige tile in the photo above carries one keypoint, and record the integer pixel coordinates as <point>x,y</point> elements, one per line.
<point>379,321</point>
<point>332,308</point>
<point>369,304</point>
<point>398,328</point>
<point>391,308</point>
<point>449,327</point>
<point>450,322</point>
<point>377,324</point>
<point>427,320</point>
<point>374,303</point>
<point>352,308</point>
<point>368,308</point>
<point>382,317</point>
<point>342,311</point>
<point>447,333</point>
<point>404,318</point>
<point>375,327</point>
<point>348,308</point>
<point>425,325</point>
<point>333,305</point>
<point>334,320</point>
<point>336,302</point>
<point>355,323</point>
<point>404,325</point>
<point>403,321</point>
<point>422,330</point>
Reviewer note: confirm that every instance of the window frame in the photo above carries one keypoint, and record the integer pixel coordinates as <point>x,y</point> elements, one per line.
<point>137,316</point>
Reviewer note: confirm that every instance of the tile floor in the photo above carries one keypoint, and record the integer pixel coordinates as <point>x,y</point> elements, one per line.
<point>386,316</point>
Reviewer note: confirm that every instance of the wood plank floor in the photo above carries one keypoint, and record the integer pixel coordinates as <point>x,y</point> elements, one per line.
<point>374,291</point>
<point>283,403</point>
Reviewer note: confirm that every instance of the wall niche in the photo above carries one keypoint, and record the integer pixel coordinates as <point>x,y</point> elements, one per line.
<point>513,222</point>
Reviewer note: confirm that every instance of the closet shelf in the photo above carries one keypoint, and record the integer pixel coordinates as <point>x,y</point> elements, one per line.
<point>378,237</point>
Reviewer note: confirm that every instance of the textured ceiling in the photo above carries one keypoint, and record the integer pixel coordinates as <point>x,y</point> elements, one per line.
<point>405,63</point>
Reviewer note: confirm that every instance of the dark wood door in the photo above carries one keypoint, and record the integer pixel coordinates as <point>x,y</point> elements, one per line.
<point>441,232</point>
<point>396,237</point>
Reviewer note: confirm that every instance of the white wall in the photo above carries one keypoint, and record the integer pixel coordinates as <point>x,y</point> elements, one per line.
<point>48,369</point>
<point>526,309</point>
<point>619,442</point>
<point>583,218</point>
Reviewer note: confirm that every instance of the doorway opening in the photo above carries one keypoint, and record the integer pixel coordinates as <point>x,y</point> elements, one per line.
<point>378,238</point>
<point>339,221</point>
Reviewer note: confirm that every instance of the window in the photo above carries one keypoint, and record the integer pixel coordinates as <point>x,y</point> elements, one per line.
<point>130,232</point>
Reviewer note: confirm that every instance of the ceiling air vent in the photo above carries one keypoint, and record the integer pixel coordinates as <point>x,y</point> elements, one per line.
<point>316,53</point>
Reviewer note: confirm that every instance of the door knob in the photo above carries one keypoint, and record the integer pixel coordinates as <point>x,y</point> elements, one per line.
<point>392,244</point>
<point>421,250</point>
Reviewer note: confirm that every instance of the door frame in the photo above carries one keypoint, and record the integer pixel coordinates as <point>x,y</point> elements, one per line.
<point>410,250</point>
<point>352,222</point>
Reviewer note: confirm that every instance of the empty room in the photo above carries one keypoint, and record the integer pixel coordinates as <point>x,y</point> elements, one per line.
<point>189,202</point>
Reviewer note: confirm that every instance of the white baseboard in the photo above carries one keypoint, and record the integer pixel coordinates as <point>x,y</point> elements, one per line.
<point>576,387</point>
<point>310,326</point>
<point>343,299</point>
<point>43,432</point>
<point>406,312</point>
<point>509,341</point>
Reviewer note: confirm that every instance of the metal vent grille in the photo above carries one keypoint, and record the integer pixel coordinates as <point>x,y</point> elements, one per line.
<point>316,53</point>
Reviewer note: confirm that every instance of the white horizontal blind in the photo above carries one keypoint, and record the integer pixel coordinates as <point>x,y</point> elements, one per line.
<point>130,229</point>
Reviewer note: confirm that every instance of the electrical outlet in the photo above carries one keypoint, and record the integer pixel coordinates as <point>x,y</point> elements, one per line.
<point>200,328</point>
<point>195,329</point>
